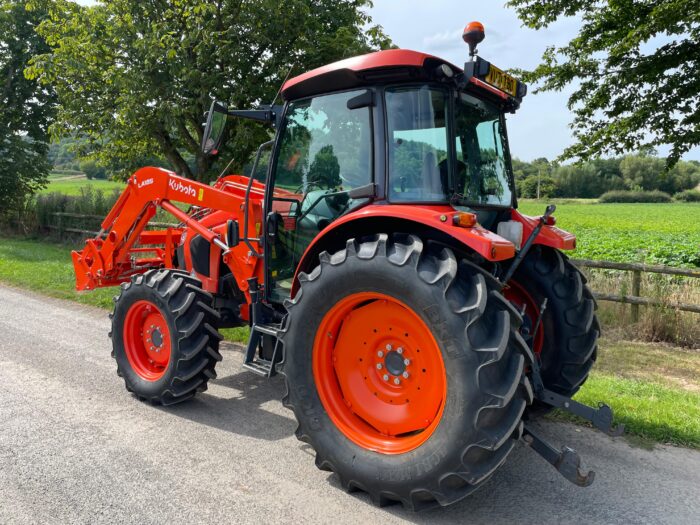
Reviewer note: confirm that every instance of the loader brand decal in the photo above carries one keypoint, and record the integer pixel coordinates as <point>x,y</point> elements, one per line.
<point>146,182</point>
<point>200,197</point>
<point>176,185</point>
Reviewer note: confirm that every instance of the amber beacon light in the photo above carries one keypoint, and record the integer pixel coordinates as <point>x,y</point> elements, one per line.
<point>473,35</point>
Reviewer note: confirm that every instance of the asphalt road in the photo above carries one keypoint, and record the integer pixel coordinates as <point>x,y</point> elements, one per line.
<point>75,447</point>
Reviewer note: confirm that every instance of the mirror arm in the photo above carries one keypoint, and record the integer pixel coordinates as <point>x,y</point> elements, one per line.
<point>268,114</point>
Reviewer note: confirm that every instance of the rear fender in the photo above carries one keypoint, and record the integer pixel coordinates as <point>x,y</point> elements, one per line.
<point>434,222</point>
<point>549,235</point>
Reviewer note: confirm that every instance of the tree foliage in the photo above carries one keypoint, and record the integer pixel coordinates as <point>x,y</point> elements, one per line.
<point>641,172</point>
<point>635,68</point>
<point>135,77</point>
<point>26,108</point>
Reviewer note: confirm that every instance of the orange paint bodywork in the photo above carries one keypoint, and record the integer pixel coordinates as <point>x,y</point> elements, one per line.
<point>549,235</point>
<point>118,253</point>
<point>125,248</point>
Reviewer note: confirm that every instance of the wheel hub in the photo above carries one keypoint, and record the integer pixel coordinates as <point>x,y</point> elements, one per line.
<point>394,363</point>
<point>147,340</point>
<point>379,372</point>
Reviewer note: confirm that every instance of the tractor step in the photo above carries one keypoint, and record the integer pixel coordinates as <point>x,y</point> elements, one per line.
<point>261,335</point>
<point>261,367</point>
<point>258,365</point>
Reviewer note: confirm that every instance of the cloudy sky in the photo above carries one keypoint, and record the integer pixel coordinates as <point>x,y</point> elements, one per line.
<point>541,127</point>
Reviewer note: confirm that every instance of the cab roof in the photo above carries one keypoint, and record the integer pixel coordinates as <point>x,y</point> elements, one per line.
<point>391,65</point>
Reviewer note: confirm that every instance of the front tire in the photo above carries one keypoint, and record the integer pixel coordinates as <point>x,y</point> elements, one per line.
<point>427,438</point>
<point>164,336</point>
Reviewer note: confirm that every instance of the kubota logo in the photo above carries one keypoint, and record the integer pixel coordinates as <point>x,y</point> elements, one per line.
<point>176,185</point>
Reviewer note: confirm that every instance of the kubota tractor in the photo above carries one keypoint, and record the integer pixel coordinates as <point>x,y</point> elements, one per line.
<point>420,321</point>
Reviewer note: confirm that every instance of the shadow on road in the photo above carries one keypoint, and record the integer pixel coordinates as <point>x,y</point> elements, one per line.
<point>243,413</point>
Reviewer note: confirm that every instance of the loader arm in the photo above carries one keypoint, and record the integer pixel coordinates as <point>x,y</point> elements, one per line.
<point>120,248</point>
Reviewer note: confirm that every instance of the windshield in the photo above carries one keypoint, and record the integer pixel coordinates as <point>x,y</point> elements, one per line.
<point>420,122</point>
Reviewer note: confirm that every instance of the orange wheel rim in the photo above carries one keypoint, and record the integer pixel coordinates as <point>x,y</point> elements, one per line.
<point>530,310</point>
<point>147,340</point>
<point>379,373</point>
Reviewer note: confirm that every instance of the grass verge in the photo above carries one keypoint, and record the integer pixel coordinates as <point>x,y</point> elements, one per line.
<point>46,268</point>
<point>653,389</point>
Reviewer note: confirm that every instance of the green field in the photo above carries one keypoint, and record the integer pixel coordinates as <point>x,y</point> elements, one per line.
<point>71,186</point>
<point>652,233</point>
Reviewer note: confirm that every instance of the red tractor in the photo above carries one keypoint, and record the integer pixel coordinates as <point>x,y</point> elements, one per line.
<point>420,321</point>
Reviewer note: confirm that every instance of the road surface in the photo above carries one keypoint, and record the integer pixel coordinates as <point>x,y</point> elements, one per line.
<point>75,447</point>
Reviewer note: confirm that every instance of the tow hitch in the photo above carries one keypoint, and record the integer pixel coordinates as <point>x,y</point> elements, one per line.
<point>567,461</point>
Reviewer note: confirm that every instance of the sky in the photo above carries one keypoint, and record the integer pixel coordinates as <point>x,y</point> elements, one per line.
<point>541,127</point>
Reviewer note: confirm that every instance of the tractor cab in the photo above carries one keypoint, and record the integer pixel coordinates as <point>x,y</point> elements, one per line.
<point>394,127</point>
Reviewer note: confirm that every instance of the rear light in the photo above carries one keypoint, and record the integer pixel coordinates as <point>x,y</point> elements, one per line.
<point>550,221</point>
<point>464,219</point>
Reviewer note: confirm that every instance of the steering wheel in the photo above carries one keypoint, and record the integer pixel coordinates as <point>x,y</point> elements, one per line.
<point>309,185</point>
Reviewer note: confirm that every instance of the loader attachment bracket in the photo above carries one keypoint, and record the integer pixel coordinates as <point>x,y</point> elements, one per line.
<point>567,461</point>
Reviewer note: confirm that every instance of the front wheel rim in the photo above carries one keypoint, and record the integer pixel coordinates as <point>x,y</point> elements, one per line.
<point>379,373</point>
<point>147,341</point>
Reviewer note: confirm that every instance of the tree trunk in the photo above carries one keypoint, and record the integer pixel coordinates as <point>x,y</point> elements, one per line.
<point>173,155</point>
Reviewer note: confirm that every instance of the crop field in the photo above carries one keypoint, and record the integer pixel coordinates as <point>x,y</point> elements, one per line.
<point>651,233</point>
<point>72,185</point>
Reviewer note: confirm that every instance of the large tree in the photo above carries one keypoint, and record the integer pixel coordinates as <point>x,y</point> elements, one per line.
<point>135,76</point>
<point>635,70</point>
<point>26,108</point>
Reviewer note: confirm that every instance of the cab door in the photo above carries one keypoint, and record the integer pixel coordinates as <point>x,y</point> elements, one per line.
<point>324,150</point>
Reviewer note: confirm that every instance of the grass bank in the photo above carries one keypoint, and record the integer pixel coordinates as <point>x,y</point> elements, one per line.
<point>71,185</point>
<point>47,268</point>
<point>653,389</point>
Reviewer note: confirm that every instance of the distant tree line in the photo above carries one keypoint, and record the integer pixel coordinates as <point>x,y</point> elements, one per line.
<point>591,179</point>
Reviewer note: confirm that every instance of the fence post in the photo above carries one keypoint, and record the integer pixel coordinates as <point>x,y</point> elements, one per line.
<point>60,225</point>
<point>636,291</point>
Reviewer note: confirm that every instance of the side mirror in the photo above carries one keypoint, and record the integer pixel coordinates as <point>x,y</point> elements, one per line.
<point>214,128</point>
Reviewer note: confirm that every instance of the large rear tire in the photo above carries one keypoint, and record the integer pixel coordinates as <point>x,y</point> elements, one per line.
<point>567,338</point>
<point>405,370</point>
<point>164,336</point>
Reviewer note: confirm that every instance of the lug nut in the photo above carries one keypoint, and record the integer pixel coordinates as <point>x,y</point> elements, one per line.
<point>406,362</point>
<point>380,354</point>
<point>399,350</point>
<point>385,377</point>
<point>397,381</point>
<point>405,375</point>
<point>388,348</point>
<point>379,366</point>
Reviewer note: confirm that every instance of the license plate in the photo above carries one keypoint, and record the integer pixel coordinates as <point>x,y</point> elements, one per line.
<point>501,80</point>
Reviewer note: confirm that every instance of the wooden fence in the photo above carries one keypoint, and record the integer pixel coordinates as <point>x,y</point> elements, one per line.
<point>636,300</point>
<point>61,229</point>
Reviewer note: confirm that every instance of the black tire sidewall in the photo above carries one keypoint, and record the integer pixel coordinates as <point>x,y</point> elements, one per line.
<point>138,384</point>
<point>558,330</point>
<point>457,427</point>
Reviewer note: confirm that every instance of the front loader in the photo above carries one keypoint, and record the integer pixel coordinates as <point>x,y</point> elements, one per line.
<point>420,321</point>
